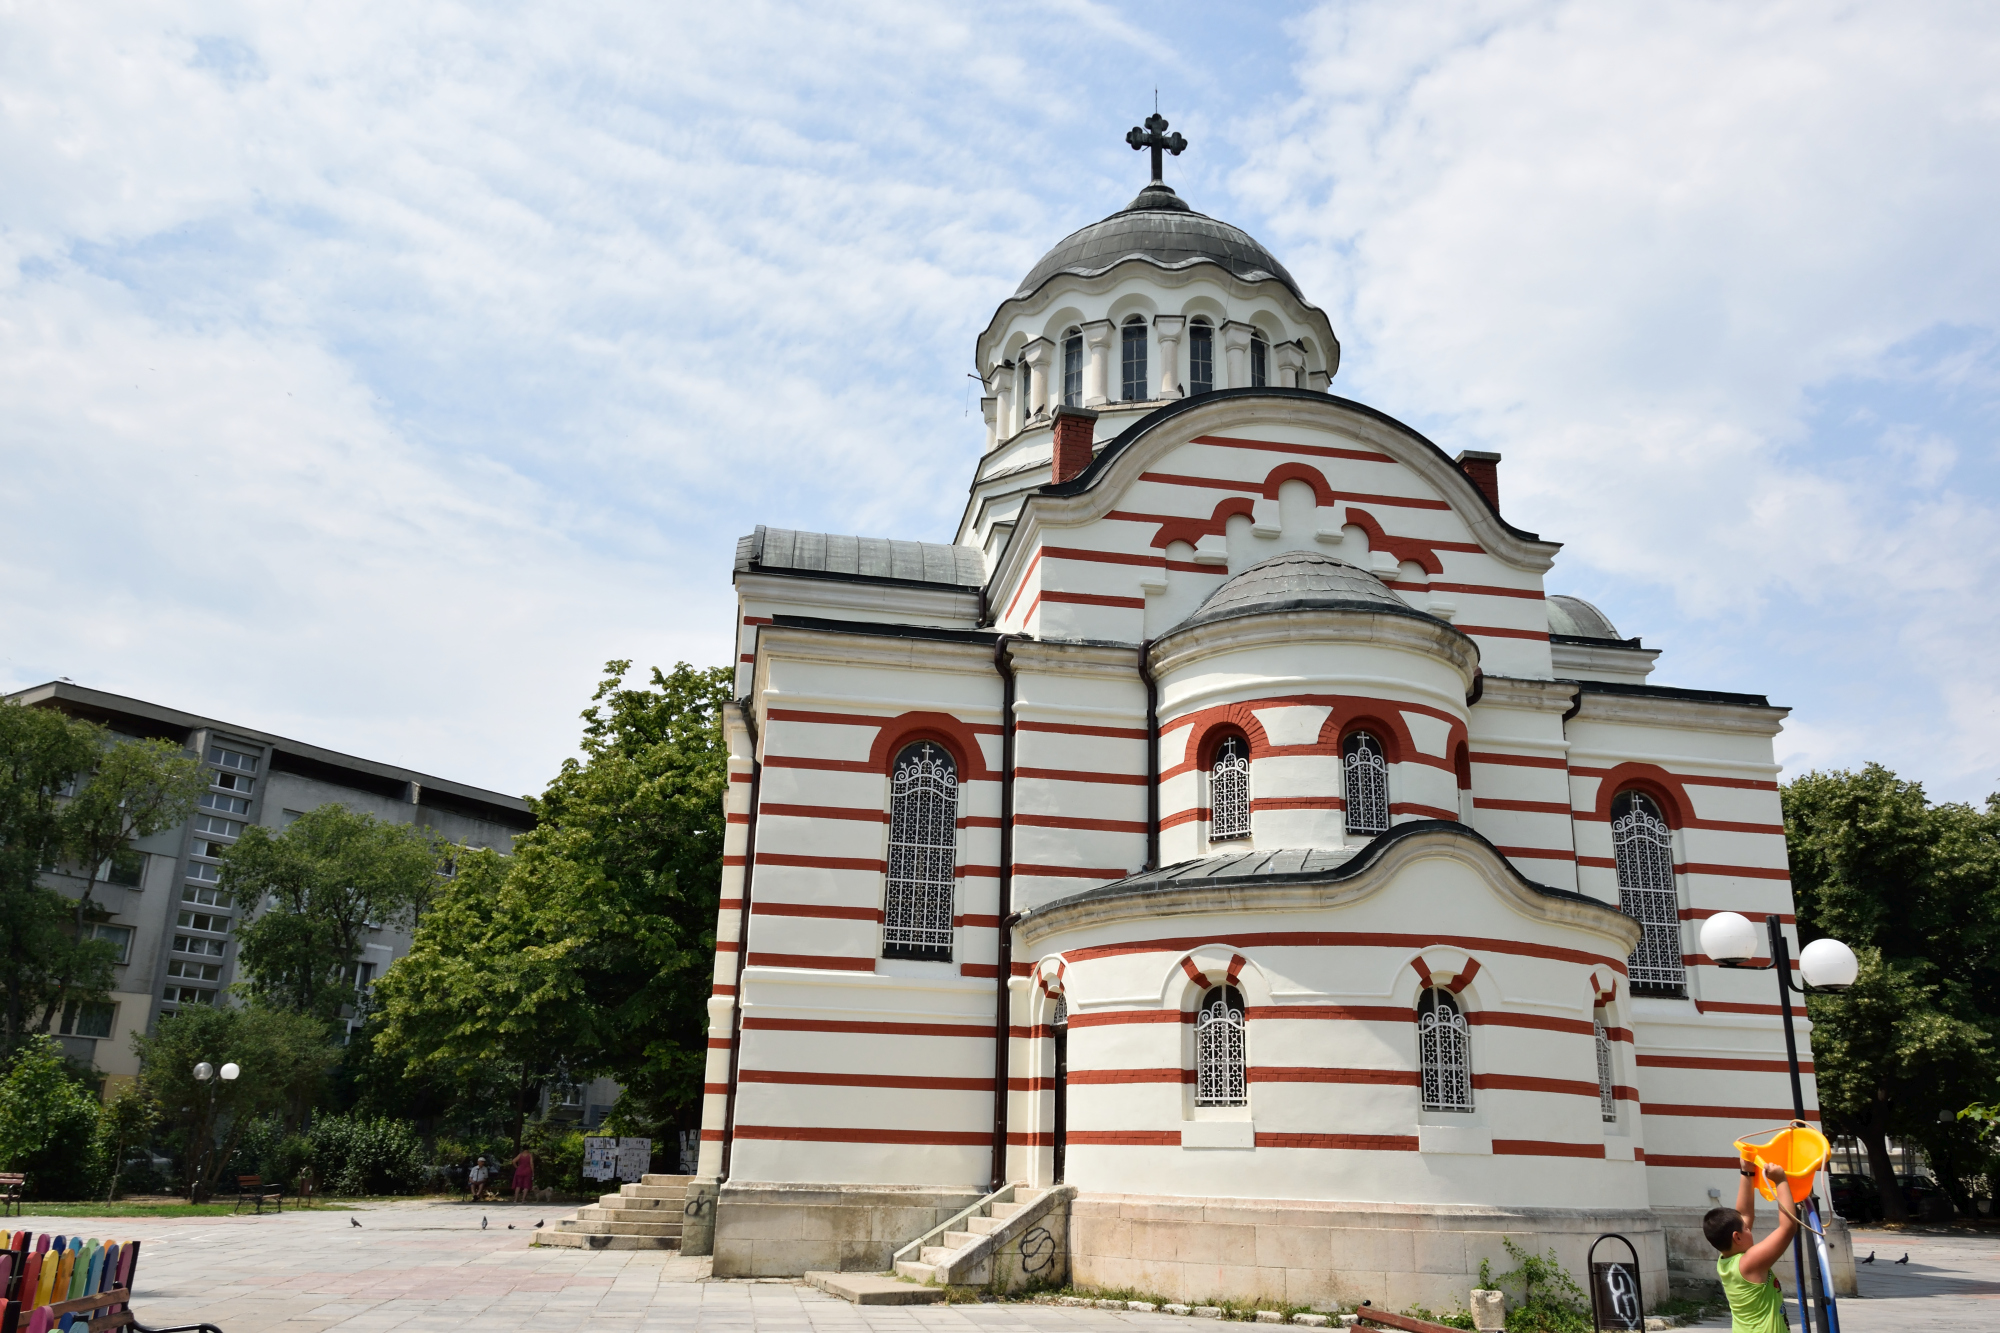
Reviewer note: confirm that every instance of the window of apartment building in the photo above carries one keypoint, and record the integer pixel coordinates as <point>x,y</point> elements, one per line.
<point>126,866</point>
<point>223,757</point>
<point>202,894</point>
<point>218,925</point>
<point>187,995</point>
<point>218,827</point>
<point>121,936</point>
<point>199,946</point>
<point>92,1019</point>
<point>228,805</point>
<point>203,871</point>
<point>189,970</point>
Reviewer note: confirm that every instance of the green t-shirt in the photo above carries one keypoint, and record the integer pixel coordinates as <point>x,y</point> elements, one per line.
<point>1752,1308</point>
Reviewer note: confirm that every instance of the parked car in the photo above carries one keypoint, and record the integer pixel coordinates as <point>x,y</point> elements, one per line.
<point>1854,1197</point>
<point>1924,1199</point>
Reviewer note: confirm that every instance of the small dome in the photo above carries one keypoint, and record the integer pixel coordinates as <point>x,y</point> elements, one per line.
<point>1579,619</point>
<point>1161,229</point>
<point>1297,581</point>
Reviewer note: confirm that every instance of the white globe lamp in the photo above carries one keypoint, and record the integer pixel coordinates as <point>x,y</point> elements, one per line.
<point>1729,938</point>
<point>203,1071</point>
<point>229,1071</point>
<point>1827,964</point>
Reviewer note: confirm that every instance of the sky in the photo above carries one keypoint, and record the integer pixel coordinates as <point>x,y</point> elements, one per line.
<point>373,374</point>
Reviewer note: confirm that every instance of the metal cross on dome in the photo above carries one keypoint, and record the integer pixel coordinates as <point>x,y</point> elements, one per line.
<point>1155,137</point>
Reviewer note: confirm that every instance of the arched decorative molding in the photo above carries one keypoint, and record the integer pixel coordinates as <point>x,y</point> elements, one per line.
<point>1187,977</point>
<point>1192,530</point>
<point>957,738</point>
<point>1367,715</point>
<point>1664,787</point>
<point>1446,967</point>
<point>1049,975</point>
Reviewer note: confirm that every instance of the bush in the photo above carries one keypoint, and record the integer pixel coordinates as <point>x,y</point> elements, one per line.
<point>47,1119</point>
<point>271,1153</point>
<point>1550,1300</point>
<point>357,1155</point>
<point>558,1150</point>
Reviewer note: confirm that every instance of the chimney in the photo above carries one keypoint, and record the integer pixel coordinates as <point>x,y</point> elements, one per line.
<point>1074,428</point>
<point>1484,470</point>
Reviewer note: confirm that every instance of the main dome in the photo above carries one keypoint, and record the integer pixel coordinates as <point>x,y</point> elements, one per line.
<point>1297,581</point>
<point>1161,229</point>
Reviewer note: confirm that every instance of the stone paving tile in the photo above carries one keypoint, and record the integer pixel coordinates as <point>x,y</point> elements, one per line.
<point>428,1268</point>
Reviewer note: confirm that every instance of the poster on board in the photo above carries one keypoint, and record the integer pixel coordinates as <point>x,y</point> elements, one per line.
<point>635,1158</point>
<point>600,1158</point>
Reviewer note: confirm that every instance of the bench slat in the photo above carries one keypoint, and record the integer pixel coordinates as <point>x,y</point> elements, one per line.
<point>57,1309</point>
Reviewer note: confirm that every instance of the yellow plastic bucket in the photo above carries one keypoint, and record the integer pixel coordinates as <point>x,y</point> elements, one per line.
<point>1800,1149</point>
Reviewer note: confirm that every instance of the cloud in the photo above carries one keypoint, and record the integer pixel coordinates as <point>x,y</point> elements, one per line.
<point>1686,265</point>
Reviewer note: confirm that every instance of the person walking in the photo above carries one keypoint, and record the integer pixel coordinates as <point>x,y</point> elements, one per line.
<point>524,1175</point>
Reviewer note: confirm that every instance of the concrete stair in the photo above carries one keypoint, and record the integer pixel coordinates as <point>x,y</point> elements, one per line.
<point>645,1216</point>
<point>928,1265</point>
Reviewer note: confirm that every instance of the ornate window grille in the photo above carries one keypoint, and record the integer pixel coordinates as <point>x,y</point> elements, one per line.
<point>1218,1049</point>
<point>1133,361</point>
<point>1367,784</point>
<point>1229,791</point>
<point>1444,1052</point>
<point>1260,361</point>
<point>1644,847</point>
<point>1061,1018</point>
<point>1607,1097</point>
<point>923,854</point>
<point>1201,357</point>
<point>1073,369</point>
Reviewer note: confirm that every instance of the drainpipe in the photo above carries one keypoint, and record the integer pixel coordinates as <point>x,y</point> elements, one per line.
<point>1004,971</point>
<point>742,947</point>
<point>1152,755</point>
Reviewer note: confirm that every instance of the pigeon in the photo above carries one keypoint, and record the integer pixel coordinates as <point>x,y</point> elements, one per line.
<point>482,1224</point>
<point>1905,1259</point>
<point>510,1226</point>
<point>538,1225</point>
<point>1870,1259</point>
<point>354,1221</point>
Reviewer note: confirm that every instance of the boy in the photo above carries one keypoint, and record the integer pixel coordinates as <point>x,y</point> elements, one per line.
<point>1755,1304</point>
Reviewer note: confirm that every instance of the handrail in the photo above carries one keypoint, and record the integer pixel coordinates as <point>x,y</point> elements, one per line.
<point>1005,1194</point>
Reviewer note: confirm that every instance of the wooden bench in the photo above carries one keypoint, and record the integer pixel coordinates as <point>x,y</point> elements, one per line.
<point>253,1190</point>
<point>107,1310</point>
<point>11,1185</point>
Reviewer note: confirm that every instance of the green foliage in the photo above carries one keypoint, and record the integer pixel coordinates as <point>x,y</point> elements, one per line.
<point>1549,1301</point>
<point>319,887</point>
<point>358,1155</point>
<point>47,1116</point>
<point>1915,889</point>
<point>283,1057</point>
<point>126,1122</point>
<point>1450,1319</point>
<point>558,1150</point>
<point>272,1150</point>
<point>42,962</point>
<point>591,947</point>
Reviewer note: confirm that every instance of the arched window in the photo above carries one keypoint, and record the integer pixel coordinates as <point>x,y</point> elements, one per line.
<point>1201,357</point>
<point>1024,392</point>
<point>1260,361</point>
<point>1134,360</point>
<point>1607,1097</point>
<point>923,854</point>
<point>1644,846</point>
<point>1367,784</point>
<point>1218,1049</point>
<point>1444,1052</point>
<point>1073,368</point>
<point>1229,790</point>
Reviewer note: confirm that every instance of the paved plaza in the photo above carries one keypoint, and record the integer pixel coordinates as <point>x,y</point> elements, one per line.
<point>427,1267</point>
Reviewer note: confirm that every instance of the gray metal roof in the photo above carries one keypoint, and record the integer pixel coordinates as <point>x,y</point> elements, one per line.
<point>1297,581</point>
<point>1579,619</point>
<point>826,555</point>
<point>1160,229</point>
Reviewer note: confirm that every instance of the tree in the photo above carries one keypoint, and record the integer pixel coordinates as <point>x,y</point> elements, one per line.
<point>591,947</point>
<point>136,789</point>
<point>41,754</point>
<point>1915,888</point>
<point>46,1117</point>
<point>125,1122</point>
<point>282,1058</point>
<point>319,889</point>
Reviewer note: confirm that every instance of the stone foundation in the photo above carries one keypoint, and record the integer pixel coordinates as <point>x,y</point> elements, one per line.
<point>1299,1252</point>
<point>1691,1259</point>
<point>767,1229</point>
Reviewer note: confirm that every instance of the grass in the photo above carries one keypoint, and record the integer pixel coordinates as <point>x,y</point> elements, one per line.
<point>144,1208</point>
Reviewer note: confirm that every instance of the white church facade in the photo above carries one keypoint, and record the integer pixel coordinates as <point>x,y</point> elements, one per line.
<point>1228,828</point>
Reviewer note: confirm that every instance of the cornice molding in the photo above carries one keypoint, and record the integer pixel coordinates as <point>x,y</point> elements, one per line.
<point>1684,714</point>
<point>1527,693</point>
<point>1180,648</point>
<point>907,602</point>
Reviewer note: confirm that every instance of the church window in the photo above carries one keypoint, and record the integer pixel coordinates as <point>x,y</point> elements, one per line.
<point>1218,1049</point>
<point>1229,791</point>
<point>1025,389</point>
<point>1444,1052</point>
<point>923,854</point>
<point>1643,845</point>
<point>1134,360</point>
<point>1073,368</point>
<point>1201,357</point>
<point>1607,1097</point>
<point>1260,361</point>
<point>1367,793</point>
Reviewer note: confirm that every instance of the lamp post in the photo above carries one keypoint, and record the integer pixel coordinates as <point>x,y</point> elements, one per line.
<point>204,1074</point>
<point>1824,965</point>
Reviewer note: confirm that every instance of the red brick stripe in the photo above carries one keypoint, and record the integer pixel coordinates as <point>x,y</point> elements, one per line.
<point>822,862</point>
<point>1350,1142</point>
<point>789,1076</point>
<point>870,1029</point>
<point>1087,825</point>
<point>1351,939</point>
<point>866,816</point>
<point>1372,1077</point>
<point>1121,1016</point>
<point>1537,853</point>
<point>1305,450</point>
<point>1116,1076</point>
<point>1537,1148</point>
<point>812,960</point>
<point>1517,760</point>
<point>1124,1138</point>
<point>1573,1087</point>
<point>1076,775</point>
<point>1723,1112</point>
<point>1502,1019</point>
<point>1533,807</point>
<point>1502,632</point>
<point>1692,1163</point>
<point>1365,1013</point>
<point>1071,729</point>
<point>1095,599</point>
<point>1703,1062</point>
<point>907,1137</point>
<point>1070,872</point>
<point>763,908</point>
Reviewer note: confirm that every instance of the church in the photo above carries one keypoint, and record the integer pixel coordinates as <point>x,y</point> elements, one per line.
<point>1226,851</point>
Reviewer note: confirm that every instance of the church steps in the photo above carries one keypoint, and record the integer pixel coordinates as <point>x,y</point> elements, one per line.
<point>645,1215</point>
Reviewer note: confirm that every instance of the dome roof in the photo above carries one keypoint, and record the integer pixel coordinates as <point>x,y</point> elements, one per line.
<point>1298,581</point>
<point>1161,229</point>
<point>1579,619</point>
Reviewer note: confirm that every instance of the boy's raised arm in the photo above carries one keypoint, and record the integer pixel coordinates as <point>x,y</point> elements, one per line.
<point>1746,1192</point>
<point>1756,1263</point>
